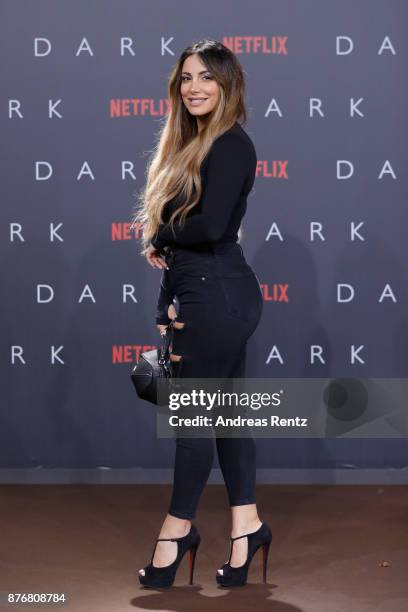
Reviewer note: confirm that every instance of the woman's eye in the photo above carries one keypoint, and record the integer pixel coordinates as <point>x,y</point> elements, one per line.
<point>207,76</point>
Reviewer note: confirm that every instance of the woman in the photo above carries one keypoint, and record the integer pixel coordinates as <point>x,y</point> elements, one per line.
<point>191,210</point>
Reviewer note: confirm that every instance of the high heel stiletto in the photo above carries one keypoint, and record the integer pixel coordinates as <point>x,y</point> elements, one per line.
<point>161,577</point>
<point>237,576</point>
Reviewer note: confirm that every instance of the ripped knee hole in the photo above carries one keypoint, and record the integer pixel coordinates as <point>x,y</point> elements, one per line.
<point>177,324</point>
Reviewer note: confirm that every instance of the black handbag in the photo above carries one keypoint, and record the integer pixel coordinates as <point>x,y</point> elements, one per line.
<point>152,366</point>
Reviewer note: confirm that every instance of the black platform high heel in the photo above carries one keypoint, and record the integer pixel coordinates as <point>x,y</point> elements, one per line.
<point>237,576</point>
<point>161,577</point>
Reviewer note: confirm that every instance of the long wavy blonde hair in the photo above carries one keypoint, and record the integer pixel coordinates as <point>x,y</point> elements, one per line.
<point>174,165</point>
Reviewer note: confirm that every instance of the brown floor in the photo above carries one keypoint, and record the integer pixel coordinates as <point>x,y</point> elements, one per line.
<point>89,541</point>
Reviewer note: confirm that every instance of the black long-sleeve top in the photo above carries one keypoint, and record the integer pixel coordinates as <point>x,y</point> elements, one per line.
<point>227,176</point>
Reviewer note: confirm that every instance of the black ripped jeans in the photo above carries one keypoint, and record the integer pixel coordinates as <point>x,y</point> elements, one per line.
<point>220,303</point>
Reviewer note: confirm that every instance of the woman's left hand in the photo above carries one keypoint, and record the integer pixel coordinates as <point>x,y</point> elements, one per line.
<point>155,259</point>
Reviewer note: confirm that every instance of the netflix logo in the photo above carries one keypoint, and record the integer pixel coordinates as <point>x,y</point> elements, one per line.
<point>129,353</point>
<point>126,231</point>
<point>263,45</point>
<point>275,292</point>
<point>275,169</point>
<point>138,107</point>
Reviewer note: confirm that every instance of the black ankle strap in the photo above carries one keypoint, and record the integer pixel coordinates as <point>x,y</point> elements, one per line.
<point>169,539</point>
<point>176,539</point>
<point>173,539</point>
<point>245,535</point>
<point>238,537</point>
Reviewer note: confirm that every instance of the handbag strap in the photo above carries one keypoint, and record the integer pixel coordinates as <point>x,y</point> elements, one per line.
<point>167,338</point>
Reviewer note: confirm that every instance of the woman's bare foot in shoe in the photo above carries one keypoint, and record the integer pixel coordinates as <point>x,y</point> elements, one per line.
<point>245,520</point>
<point>166,552</point>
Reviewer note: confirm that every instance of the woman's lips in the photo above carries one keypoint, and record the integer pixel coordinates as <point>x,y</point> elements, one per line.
<point>197,101</point>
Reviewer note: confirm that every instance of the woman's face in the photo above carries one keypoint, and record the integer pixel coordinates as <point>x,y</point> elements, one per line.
<point>197,82</point>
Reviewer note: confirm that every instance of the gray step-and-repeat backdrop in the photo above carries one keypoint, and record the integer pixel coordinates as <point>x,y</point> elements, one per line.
<point>83,92</point>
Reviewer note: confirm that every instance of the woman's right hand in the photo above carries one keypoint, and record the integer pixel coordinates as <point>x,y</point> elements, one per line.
<point>162,329</point>
<point>172,314</point>
<point>155,259</point>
